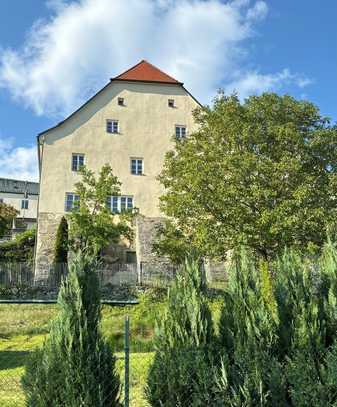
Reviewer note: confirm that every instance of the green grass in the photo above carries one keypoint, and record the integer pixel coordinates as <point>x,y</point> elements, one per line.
<point>24,327</point>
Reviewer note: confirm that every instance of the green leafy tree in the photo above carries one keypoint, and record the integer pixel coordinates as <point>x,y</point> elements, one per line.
<point>75,366</point>
<point>261,173</point>
<point>92,224</point>
<point>7,214</point>
<point>19,250</point>
<point>181,373</point>
<point>61,243</point>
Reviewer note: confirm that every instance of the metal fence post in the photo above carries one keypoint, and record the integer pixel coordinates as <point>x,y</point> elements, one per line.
<point>127,363</point>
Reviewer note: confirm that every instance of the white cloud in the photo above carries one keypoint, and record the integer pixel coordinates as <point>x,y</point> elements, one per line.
<point>18,162</point>
<point>85,42</point>
<point>253,83</point>
<point>69,56</point>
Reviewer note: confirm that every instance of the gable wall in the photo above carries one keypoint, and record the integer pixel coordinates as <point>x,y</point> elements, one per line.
<point>147,126</point>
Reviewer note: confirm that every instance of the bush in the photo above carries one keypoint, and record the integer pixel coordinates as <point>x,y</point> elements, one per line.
<point>75,367</point>
<point>180,374</point>
<point>277,336</point>
<point>19,250</point>
<point>61,243</point>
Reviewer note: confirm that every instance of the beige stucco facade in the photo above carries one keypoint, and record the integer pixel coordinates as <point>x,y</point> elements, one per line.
<point>146,130</point>
<point>15,200</point>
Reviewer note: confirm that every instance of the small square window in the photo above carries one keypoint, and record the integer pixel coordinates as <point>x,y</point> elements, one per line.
<point>77,162</point>
<point>121,101</point>
<point>137,166</point>
<point>112,126</point>
<point>180,132</point>
<point>171,102</point>
<point>24,204</point>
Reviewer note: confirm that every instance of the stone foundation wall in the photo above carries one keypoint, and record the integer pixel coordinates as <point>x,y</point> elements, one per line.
<point>145,234</point>
<point>144,237</point>
<point>48,224</point>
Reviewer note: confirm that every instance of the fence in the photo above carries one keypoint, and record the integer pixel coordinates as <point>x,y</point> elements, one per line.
<point>12,367</point>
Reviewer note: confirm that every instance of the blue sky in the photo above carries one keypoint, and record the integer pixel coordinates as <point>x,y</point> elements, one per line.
<point>54,54</point>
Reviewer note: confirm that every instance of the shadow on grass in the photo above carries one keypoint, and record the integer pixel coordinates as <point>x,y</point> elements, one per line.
<point>12,359</point>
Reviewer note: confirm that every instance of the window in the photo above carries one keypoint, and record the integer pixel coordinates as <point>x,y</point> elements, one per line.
<point>77,162</point>
<point>71,200</point>
<point>121,101</point>
<point>171,102</point>
<point>131,257</point>
<point>120,203</point>
<point>180,132</point>
<point>112,126</point>
<point>136,166</point>
<point>24,204</point>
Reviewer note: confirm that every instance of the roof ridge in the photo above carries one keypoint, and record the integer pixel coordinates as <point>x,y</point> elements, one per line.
<point>146,65</point>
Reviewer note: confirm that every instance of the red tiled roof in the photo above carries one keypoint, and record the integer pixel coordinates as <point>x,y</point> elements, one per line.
<point>146,72</point>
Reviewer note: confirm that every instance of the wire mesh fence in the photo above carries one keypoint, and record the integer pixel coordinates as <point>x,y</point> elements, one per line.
<point>131,367</point>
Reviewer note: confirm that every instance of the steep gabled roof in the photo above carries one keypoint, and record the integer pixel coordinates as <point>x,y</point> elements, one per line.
<point>141,72</point>
<point>146,72</point>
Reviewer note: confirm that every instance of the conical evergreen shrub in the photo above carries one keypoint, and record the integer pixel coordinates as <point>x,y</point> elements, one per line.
<point>75,367</point>
<point>247,338</point>
<point>181,374</point>
<point>61,242</point>
<point>278,331</point>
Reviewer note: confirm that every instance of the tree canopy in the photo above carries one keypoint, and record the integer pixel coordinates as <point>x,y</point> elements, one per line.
<point>92,224</point>
<point>7,214</point>
<point>259,173</point>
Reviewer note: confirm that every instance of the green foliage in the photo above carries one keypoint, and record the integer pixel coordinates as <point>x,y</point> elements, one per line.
<point>277,336</point>
<point>181,373</point>
<point>19,250</point>
<point>261,173</point>
<point>92,225</point>
<point>75,366</point>
<point>7,214</point>
<point>61,243</point>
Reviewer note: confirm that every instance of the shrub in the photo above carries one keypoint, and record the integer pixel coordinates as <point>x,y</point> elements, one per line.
<point>278,335</point>
<point>75,367</point>
<point>19,250</point>
<point>180,374</point>
<point>61,243</point>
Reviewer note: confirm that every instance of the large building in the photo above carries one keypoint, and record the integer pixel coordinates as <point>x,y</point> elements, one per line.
<point>129,124</point>
<point>23,196</point>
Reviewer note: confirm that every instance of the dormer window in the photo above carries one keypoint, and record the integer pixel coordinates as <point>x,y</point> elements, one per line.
<point>112,126</point>
<point>171,103</point>
<point>120,101</point>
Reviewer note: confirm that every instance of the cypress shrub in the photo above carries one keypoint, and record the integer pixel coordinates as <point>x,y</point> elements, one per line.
<point>278,331</point>
<point>75,367</point>
<point>247,338</point>
<point>61,242</point>
<point>181,374</point>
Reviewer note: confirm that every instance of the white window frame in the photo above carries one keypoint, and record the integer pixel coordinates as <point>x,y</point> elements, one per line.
<point>139,168</point>
<point>180,136</point>
<point>24,204</point>
<point>78,166</point>
<point>75,198</point>
<point>115,202</point>
<point>114,125</point>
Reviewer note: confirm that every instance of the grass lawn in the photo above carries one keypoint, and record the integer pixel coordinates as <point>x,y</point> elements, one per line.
<point>24,327</point>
